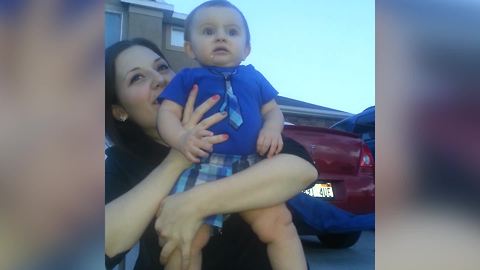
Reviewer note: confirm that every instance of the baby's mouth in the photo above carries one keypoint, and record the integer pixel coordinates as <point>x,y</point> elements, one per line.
<point>220,50</point>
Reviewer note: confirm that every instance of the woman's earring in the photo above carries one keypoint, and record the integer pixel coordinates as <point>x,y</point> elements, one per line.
<point>123,117</point>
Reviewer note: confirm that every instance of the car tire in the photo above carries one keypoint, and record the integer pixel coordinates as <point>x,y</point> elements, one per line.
<point>339,240</point>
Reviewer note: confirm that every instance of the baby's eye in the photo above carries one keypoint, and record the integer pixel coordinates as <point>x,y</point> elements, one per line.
<point>208,31</point>
<point>136,78</point>
<point>232,32</point>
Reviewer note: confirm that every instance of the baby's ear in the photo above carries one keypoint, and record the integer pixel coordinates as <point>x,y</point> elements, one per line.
<point>246,51</point>
<point>189,50</point>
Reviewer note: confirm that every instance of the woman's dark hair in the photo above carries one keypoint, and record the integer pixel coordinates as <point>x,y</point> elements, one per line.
<point>127,135</point>
<point>213,3</point>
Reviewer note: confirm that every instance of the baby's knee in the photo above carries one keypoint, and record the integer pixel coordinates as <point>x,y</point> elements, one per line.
<point>275,224</point>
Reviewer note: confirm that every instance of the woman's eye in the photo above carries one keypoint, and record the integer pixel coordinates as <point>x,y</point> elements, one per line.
<point>162,67</point>
<point>136,78</point>
<point>208,31</point>
<point>233,32</point>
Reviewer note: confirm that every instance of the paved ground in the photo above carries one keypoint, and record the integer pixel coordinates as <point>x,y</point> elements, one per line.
<point>361,256</point>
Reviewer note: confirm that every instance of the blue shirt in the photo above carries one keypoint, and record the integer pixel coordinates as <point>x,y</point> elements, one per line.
<point>251,89</point>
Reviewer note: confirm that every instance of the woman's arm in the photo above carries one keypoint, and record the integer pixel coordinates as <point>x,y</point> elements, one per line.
<point>269,182</point>
<point>127,216</point>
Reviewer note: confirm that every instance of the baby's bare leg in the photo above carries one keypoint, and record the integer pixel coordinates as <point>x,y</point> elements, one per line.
<point>200,241</point>
<point>274,227</point>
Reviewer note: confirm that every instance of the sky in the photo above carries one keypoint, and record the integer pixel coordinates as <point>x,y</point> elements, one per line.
<point>317,51</point>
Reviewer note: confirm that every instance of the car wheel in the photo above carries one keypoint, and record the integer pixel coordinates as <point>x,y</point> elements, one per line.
<point>339,240</point>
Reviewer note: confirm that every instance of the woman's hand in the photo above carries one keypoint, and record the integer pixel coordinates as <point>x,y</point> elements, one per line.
<point>199,136</point>
<point>198,141</point>
<point>177,222</point>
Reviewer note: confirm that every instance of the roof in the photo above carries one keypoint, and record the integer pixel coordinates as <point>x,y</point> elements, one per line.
<point>297,103</point>
<point>289,105</point>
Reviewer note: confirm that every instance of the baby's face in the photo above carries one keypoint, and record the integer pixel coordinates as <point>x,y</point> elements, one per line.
<point>218,37</point>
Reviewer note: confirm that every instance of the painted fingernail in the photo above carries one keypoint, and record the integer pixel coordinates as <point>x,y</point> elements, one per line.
<point>195,87</point>
<point>215,98</point>
<point>223,113</point>
<point>225,136</point>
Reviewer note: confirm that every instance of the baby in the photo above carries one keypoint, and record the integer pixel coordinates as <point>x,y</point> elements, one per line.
<point>217,36</point>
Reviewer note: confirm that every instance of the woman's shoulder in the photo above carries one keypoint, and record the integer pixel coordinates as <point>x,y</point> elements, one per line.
<point>116,157</point>
<point>118,179</point>
<point>112,152</point>
<point>120,159</point>
<point>124,170</point>
<point>116,152</point>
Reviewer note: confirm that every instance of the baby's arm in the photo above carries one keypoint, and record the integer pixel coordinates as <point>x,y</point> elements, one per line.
<point>270,136</point>
<point>187,141</point>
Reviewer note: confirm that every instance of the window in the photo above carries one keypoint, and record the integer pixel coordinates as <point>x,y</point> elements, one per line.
<point>174,40</point>
<point>113,27</point>
<point>177,37</point>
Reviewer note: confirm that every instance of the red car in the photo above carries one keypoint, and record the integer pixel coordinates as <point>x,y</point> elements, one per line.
<point>341,202</point>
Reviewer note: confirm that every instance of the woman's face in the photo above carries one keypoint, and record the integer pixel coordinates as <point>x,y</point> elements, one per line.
<point>141,75</point>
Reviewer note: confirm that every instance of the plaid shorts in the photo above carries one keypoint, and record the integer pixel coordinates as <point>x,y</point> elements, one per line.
<point>212,168</point>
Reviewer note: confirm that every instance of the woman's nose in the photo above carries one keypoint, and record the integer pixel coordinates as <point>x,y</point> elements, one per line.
<point>160,81</point>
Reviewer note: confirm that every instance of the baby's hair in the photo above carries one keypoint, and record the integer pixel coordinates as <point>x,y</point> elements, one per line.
<point>214,3</point>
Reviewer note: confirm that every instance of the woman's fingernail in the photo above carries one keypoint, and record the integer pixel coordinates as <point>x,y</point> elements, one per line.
<point>195,87</point>
<point>225,136</point>
<point>223,113</point>
<point>216,97</point>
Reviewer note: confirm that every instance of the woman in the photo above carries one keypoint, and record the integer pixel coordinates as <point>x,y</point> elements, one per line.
<point>140,171</point>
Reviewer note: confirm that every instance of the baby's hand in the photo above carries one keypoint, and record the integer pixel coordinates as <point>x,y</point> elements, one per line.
<point>193,144</point>
<point>269,140</point>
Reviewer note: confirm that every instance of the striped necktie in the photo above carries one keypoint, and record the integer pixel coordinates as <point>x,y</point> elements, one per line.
<point>231,101</point>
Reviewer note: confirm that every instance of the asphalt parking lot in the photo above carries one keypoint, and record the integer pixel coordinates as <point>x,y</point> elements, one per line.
<point>361,256</point>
